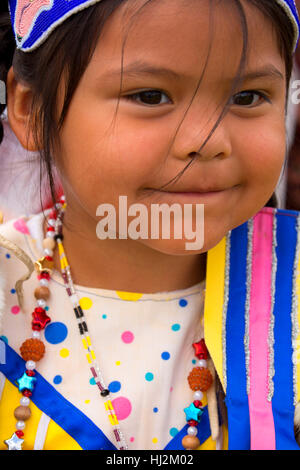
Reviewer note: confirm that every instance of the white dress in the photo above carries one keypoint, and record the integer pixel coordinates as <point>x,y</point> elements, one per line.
<point>143,344</point>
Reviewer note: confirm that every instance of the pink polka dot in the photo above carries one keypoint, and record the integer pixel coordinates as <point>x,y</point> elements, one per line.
<point>171,389</point>
<point>131,439</point>
<point>21,226</point>
<point>127,337</point>
<point>15,309</point>
<point>122,407</point>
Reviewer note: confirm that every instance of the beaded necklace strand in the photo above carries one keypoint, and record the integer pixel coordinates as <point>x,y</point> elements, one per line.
<point>33,349</point>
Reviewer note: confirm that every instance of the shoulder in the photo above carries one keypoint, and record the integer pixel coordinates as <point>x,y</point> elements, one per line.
<point>21,229</point>
<point>18,238</point>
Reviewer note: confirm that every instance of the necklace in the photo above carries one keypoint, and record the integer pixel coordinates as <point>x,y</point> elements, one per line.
<point>33,349</point>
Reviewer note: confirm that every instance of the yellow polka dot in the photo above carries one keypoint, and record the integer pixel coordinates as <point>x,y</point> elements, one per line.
<point>87,401</point>
<point>133,296</point>
<point>64,352</point>
<point>118,363</point>
<point>85,303</point>
<point>154,440</point>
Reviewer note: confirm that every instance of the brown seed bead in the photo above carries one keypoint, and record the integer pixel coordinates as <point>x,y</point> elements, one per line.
<point>22,413</point>
<point>190,442</point>
<point>32,350</point>
<point>49,243</point>
<point>42,292</point>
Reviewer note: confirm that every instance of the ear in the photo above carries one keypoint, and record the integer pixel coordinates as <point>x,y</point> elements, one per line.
<point>19,99</point>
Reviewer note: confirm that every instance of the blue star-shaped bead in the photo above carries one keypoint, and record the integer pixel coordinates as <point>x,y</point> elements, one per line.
<point>192,412</point>
<point>26,382</point>
<point>14,443</point>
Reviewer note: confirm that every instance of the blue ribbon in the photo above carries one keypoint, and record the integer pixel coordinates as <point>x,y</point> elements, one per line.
<point>282,402</point>
<point>236,394</point>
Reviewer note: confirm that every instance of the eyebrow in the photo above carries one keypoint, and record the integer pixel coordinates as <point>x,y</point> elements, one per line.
<point>268,71</point>
<point>140,68</point>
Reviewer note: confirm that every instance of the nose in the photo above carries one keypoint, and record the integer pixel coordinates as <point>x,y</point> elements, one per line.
<point>207,141</point>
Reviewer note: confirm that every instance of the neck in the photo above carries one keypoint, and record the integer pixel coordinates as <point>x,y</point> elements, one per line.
<point>124,265</point>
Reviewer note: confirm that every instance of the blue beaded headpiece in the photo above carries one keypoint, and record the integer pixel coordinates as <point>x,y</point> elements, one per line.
<point>34,20</point>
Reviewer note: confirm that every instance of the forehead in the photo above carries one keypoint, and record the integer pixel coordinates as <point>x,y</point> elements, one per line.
<point>184,33</point>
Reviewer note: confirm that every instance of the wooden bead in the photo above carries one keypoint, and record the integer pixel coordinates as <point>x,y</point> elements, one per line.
<point>190,442</point>
<point>49,243</point>
<point>22,413</point>
<point>42,292</point>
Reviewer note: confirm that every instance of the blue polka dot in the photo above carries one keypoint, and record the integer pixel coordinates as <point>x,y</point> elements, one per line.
<point>92,381</point>
<point>47,308</point>
<point>173,431</point>
<point>176,327</point>
<point>56,332</point>
<point>57,379</point>
<point>183,303</point>
<point>194,361</point>
<point>149,376</point>
<point>165,356</point>
<point>114,387</point>
<point>7,255</point>
<point>155,410</point>
<point>4,338</point>
<point>104,316</point>
<point>13,291</point>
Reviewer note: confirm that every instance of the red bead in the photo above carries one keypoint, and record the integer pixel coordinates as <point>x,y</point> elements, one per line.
<point>197,403</point>
<point>40,318</point>
<point>19,433</point>
<point>49,258</point>
<point>26,393</point>
<point>200,348</point>
<point>53,215</point>
<point>50,229</point>
<point>44,275</point>
<point>192,422</point>
<point>35,327</point>
<point>30,373</point>
<point>39,310</point>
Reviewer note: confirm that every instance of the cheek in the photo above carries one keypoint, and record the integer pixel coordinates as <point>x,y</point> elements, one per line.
<point>140,153</point>
<point>264,157</point>
<point>122,154</point>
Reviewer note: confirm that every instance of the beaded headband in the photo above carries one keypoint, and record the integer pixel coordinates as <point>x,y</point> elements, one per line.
<point>34,20</point>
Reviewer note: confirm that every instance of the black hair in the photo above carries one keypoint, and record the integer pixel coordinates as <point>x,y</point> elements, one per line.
<point>64,53</point>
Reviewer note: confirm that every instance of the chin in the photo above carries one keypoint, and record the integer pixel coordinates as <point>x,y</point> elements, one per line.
<point>176,247</point>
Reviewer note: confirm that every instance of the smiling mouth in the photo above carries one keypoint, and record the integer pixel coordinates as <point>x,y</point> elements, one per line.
<point>193,192</point>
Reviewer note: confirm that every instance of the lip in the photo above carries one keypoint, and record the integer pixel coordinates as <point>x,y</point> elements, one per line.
<point>194,193</point>
<point>198,195</point>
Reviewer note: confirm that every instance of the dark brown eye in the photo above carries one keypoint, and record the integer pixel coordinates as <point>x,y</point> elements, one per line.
<point>248,98</point>
<point>149,97</point>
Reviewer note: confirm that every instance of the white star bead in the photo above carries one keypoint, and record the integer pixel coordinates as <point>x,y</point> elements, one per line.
<point>14,443</point>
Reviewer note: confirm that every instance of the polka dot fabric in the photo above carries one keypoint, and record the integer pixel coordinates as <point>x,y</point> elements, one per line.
<point>143,343</point>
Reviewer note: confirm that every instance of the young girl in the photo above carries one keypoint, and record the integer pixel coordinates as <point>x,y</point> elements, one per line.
<point>163,102</point>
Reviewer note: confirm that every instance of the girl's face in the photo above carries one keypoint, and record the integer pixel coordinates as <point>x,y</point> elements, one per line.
<point>165,54</point>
